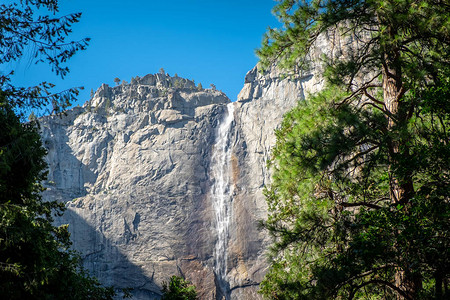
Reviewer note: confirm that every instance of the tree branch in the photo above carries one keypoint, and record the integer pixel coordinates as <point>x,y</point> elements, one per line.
<point>382,282</point>
<point>346,204</point>
<point>369,84</point>
<point>367,273</point>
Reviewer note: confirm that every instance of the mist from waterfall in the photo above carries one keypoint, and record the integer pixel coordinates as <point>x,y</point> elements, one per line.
<point>221,192</point>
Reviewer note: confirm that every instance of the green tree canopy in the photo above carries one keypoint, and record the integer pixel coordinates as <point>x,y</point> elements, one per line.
<point>178,289</point>
<point>35,257</point>
<point>359,202</point>
<point>31,27</point>
<point>36,261</point>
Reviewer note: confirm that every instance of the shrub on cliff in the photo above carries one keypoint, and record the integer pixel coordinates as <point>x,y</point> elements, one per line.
<point>178,289</point>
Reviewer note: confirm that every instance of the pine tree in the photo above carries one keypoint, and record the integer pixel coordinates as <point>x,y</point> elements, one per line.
<point>35,257</point>
<point>36,261</point>
<point>44,38</point>
<point>178,289</point>
<point>359,203</point>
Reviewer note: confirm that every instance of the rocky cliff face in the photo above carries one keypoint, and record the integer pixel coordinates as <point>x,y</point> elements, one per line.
<point>161,178</point>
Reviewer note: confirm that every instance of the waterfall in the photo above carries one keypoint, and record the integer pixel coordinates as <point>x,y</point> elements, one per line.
<point>221,192</point>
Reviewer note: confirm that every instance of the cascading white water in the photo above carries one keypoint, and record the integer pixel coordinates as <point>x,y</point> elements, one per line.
<point>221,192</point>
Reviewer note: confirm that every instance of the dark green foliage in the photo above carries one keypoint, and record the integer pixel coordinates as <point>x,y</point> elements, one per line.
<point>334,224</point>
<point>24,31</point>
<point>35,257</point>
<point>359,202</point>
<point>419,27</point>
<point>178,289</point>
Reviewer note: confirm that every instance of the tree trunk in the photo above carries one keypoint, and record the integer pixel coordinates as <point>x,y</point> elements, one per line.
<point>438,289</point>
<point>401,184</point>
<point>401,189</point>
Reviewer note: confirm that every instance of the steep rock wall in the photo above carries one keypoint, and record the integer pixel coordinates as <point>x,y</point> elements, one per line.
<point>133,166</point>
<point>259,110</point>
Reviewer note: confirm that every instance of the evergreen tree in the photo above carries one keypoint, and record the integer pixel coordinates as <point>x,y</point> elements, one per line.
<point>35,257</point>
<point>178,289</point>
<point>359,202</point>
<point>36,261</point>
<point>44,37</point>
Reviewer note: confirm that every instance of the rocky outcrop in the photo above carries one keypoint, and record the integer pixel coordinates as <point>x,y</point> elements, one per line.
<point>259,110</point>
<point>133,166</point>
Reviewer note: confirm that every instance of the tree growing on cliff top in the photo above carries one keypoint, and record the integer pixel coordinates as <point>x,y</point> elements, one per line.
<point>36,261</point>
<point>359,202</point>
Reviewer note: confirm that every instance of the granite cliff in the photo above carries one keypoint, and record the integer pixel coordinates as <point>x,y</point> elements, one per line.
<point>162,178</point>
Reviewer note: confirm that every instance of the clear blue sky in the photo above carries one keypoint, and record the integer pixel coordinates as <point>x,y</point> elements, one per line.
<point>208,41</point>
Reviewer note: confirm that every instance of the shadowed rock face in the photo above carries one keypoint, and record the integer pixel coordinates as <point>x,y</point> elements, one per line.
<point>133,166</point>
